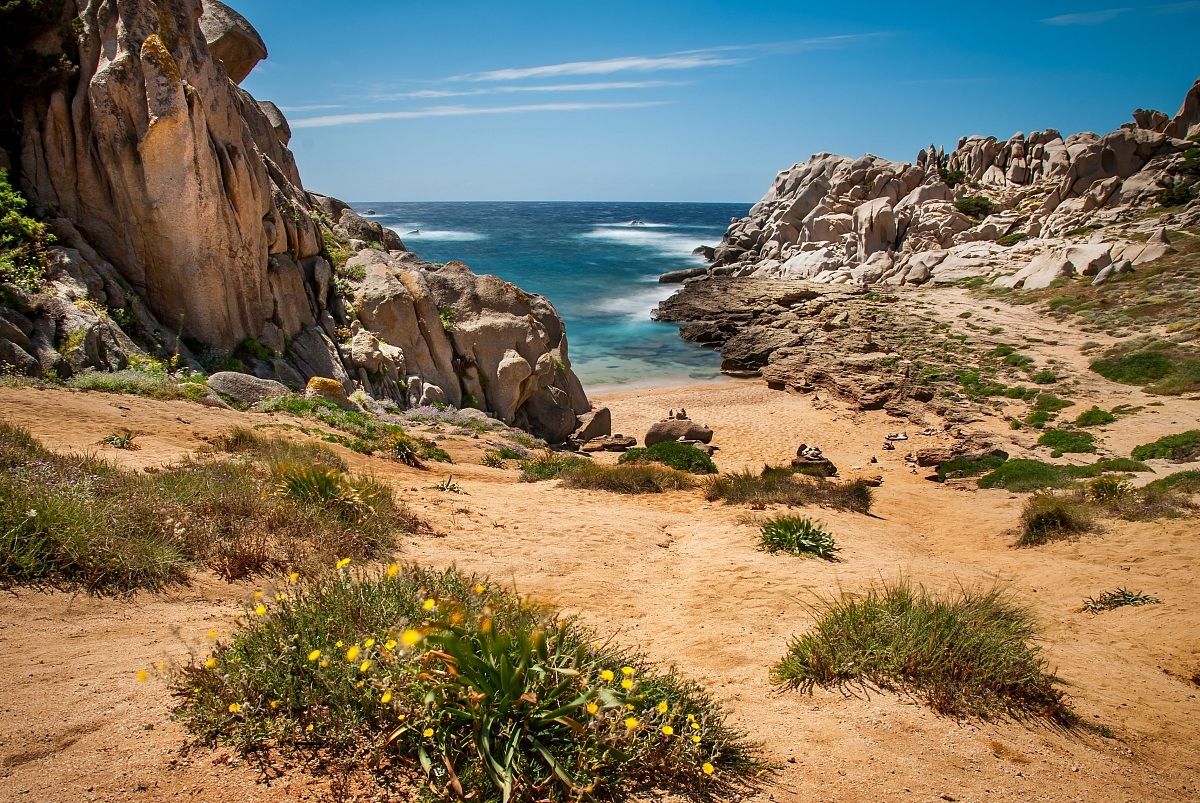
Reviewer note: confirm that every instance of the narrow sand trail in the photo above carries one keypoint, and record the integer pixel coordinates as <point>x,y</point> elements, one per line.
<point>680,578</point>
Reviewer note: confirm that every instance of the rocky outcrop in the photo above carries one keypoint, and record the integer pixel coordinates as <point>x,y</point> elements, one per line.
<point>184,230</point>
<point>942,218</point>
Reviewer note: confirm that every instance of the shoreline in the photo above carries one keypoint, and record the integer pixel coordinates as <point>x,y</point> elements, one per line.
<point>619,390</point>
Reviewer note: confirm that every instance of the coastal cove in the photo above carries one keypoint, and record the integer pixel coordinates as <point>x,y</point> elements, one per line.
<point>599,271</point>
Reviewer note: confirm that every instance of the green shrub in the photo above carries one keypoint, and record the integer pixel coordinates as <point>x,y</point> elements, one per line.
<point>547,466</point>
<point>1012,239</point>
<point>1109,490</point>
<point>1048,516</point>
<point>449,681</point>
<point>137,383</point>
<point>446,314</point>
<point>970,653</point>
<point>1064,441</point>
<point>78,521</point>
<point>952,178</point>
<point>970,466</point>
<point>1119,598</point>
<point>1182,447</point>
<point>799,536</point>
<point>1095,417</point>
<point>23,241</point>
<point>976,206</point>
<point>1051,403</point>
<point>780,486</point>
<point>1136,368</point>
<point>629,478</point>
<point>1185,482</point>
<point>681,456</point>
<point>1020,475</point>
<point>1044,377</point>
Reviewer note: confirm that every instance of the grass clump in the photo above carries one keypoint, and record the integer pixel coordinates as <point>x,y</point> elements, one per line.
<point>1067,441</point>
<point>966,654</point>
<point>547,466</point>
<point>628,478</point>
<point>1094,417</point>
<point>969,466</point>
<point>463,691</point>
<point>1182,447</point>
<point>76,521</point>
<point>797,536</point>
<point>1012,239</point>
<point>153,385</point>
<point>1020,475</point>
<point>1047,517</point>
<point>1118,598</point>
<point>1184,482</point>
<point>1158,367</point>
<point>781,486</point>
<point>364,432</point>
<point>681,456</point>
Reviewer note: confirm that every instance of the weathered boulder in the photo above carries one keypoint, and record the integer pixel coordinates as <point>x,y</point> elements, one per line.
<point>676,429</point>
<point>244,388</point>
<point>594,424</point>
<point>231,39</point>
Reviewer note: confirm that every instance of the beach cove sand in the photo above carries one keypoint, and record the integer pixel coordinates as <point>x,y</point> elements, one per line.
<point>673,574</point>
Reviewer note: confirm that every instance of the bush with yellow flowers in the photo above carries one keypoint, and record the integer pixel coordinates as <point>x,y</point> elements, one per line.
<point>469,691</point>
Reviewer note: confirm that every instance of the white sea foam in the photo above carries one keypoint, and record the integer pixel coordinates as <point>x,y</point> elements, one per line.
<point>672,245</point>
<point>637,305</point>
<point>450,235</point>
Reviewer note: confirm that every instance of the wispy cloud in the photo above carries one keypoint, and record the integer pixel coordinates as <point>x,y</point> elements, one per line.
<point>461,111</point>
<point>1103,15</point>
<point>606,67</point>
<point>598,86</point>
<point>312,107</point>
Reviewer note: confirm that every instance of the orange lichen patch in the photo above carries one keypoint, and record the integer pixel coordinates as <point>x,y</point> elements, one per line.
<point>154,48</point>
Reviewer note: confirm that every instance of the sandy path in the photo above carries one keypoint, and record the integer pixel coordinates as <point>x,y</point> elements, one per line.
<point>679,577</point>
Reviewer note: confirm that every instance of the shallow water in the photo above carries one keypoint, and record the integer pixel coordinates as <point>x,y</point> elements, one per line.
<point>600,272</point>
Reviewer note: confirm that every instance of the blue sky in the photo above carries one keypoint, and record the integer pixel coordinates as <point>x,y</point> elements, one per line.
<point>687,101</point>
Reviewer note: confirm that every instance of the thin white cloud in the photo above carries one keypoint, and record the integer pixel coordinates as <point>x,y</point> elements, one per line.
<point>606,67</point>
<point>461,111</point>
<point>1103,15</point>
<point>312,107</point>
<point>598,86</point>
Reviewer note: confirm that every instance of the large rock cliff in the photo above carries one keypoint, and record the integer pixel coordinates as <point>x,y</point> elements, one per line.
<point>1009,210</point>
<point>183,228</point>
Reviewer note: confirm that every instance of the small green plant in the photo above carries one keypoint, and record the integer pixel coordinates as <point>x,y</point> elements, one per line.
<point>976,206</point>
<point>492,459</point>
<point>23,241</point>
<point>966,654</point>
<point>628,478</point>
<point>952,178</point>
<point>1064,441</point>
<point>547,466</point>
<point>681,456</point>
<point>1049,516</point>
<point>1109,490</point>
<point>328,488</point>
<point>464,691</point>
<point>798,536</point>
<point>970,466</point>
<point>448,485</point>
<point>446,315</point>
<point>1044,377</point>
<point>137,383</point>
<point>781,486</point>
<point>1109,600</point>
<point>1182,447</point>
<point>121,439</point>
<point>1012,239</point>
<point>1094,417</point>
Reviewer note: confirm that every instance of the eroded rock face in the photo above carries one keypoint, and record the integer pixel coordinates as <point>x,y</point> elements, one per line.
<point>839,220</point>
<point>231,39</point>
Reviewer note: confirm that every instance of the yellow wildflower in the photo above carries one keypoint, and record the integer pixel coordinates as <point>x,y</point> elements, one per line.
<point>390,644</point>
<point>393,570</point>
<point>309,729</point>
<point>234,708</point>
<point>429,604</point>
<point>695,726</point>
<point>280,597</point>
<point>667,730</point>
<point>661,707</point>
<point>387,697</point>
<point>626,684</point>
<point>314,655</point>
<point>691,717</point>
<point>410,637</point>
<point>260,609</point>
<point>427,733</point>
<point>339,643</point>
<point>352,653</point>
<point>360,684</point>
<point>365,665</point>
<point>211,663</point>
<point>696,739</point>
<point>324,663</point>
<point>480,588</point>
<point>606,675</point>
<point>142,676</point>
<point>369,643</point>
<point>274,704</point>
<point>212,634</point>
<point>708,768</point>
<point>592,708</point>
<point>343,563</point>
<point>258,595</point>
<point>631,723</point>
<point>627,671</point>
<point>294,577</point>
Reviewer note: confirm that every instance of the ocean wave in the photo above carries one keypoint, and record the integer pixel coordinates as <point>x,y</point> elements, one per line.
<point>638,305</point>
<point>672,245</point>
<point>450,235</point>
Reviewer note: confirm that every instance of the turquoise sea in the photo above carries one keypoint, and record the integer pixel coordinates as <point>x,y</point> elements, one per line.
<point>600,272</point>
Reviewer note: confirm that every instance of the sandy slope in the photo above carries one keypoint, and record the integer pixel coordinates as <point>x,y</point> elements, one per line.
<point>681,578</point>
